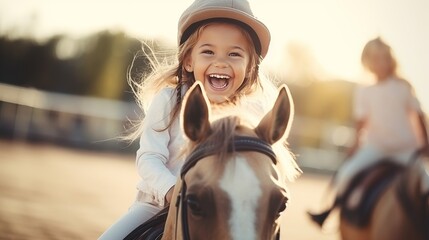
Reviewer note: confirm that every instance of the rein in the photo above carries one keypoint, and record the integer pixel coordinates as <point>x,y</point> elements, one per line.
<point>238,144</point>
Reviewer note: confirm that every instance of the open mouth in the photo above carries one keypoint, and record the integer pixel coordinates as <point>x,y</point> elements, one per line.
<point>219,81</point>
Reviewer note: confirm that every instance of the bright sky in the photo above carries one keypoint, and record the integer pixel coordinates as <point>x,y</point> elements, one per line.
<point>334,30</point>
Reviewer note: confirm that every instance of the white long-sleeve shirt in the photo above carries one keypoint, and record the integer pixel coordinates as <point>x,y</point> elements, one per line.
<point>159,158</point>
<point>158,161</point>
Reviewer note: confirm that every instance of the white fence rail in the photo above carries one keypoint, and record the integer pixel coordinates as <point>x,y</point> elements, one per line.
<point>34,114</point>
<point>30,114</point>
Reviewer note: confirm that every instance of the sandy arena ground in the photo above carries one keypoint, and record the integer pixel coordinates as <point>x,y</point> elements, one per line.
<point>50,192</point>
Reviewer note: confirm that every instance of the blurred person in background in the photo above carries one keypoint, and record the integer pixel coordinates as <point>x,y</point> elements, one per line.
<point>386,114</point>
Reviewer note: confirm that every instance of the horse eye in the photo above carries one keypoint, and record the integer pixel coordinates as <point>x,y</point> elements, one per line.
<point>194,205</point>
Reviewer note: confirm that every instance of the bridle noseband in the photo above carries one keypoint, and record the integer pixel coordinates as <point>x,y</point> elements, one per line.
<point>238,144</point>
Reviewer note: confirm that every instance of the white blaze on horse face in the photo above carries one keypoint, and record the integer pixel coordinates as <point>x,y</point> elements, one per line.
<point>241,184</point>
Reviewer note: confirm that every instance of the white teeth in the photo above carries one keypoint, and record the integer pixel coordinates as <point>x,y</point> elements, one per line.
<point>219,76</point>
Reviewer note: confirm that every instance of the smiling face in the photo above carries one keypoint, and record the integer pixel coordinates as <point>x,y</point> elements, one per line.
<point>220,60</point>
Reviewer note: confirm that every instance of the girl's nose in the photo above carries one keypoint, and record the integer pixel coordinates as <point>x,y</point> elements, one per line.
<point>220,63</point>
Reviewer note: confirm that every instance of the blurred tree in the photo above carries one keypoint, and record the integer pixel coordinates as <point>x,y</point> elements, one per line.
<point>324,103</point>
<point>93,66</point>
<point>104,66</point>
<point>320,101</point>
<point>329,100</point>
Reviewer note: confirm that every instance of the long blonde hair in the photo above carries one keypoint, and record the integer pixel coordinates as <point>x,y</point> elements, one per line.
<point>378,44</point>
<point>171,72</point>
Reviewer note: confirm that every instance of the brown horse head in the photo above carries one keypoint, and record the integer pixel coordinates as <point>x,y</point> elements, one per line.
<point>230,186</point>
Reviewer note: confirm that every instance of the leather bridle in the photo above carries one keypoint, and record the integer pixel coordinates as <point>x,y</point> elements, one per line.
<point>238,143</point>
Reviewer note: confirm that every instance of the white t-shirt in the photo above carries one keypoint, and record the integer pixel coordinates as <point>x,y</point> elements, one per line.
<point>387,108</point>
<point>159,157</point>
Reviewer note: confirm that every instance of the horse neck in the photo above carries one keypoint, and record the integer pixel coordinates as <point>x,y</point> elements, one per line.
<point>412,201</point>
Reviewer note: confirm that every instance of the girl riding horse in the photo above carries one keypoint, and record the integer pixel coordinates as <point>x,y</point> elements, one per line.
<point>221,45</point>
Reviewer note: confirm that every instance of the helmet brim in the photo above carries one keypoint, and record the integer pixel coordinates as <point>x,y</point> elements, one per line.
<point>261,31</point>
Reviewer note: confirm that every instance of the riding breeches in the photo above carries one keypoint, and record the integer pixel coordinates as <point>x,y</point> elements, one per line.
<point>141,211</point>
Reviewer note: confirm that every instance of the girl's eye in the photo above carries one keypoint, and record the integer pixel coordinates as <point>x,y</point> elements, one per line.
<point>207,52</point>
<point>234,54</point>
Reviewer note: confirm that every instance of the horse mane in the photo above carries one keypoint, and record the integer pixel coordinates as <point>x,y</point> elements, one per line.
<point>227,120</point>
<point>222,134</point>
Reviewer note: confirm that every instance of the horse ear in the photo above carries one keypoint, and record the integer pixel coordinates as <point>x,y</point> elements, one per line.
<point>195,113</point>
<point>276,123</point>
